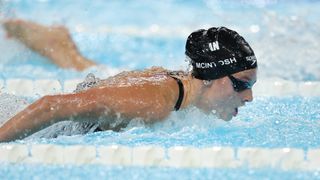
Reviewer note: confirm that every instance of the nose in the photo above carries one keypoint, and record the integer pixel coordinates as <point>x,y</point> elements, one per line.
<point>246,95</point>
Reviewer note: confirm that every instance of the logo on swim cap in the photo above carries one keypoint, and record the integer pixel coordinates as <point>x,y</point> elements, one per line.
<point>218,52</point>
<point>214,46</point>
<point>253,59</point>
<point>206,65</point>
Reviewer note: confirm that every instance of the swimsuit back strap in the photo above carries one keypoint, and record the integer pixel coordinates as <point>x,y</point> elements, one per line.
<point>181,94</point>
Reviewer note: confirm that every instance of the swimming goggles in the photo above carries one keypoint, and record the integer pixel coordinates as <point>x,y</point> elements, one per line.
<point>240,85</point>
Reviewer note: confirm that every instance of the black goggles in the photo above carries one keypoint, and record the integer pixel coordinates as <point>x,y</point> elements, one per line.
<point>240,85</point>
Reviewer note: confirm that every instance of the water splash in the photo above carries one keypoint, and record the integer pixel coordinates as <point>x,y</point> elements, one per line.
<point>10,105</point>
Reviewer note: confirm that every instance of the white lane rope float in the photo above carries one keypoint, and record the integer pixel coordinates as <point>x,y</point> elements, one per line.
<point>178,157</point>
<point>264,87</point>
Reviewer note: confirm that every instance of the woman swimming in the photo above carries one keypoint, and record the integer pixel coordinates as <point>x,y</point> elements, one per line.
<point>224,71</point>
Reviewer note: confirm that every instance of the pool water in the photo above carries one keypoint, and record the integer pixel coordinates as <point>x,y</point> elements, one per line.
<point>126,35</point>
<point>140,34</point>
<point>267,122</point>
<point>81,172</point>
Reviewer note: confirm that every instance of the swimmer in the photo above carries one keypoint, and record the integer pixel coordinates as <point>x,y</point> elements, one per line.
<point>224,69</point>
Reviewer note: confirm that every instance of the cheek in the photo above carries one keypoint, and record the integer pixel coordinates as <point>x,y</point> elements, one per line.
<point>218,95</point>
<point>218,98</point>
<point>227,101</point>
<point>226,91</point>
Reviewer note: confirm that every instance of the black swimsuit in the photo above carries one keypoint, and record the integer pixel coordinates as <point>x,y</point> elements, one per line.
<point>181,94</point>
<point>180,98</point>
<point>174,75</point>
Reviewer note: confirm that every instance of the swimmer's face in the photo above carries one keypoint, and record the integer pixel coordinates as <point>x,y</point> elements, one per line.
<point>221,98</point>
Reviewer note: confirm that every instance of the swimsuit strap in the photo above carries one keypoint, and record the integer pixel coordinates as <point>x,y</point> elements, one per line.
<point>181,92</point>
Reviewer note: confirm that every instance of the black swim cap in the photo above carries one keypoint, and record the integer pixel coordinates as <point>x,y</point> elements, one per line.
<point>218,52</point>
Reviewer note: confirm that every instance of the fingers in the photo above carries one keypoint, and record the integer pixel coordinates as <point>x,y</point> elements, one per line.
<point>12,27</point>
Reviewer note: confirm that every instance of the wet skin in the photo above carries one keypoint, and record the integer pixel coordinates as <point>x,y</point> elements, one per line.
<point>149,95</point>
<point>221,99</point>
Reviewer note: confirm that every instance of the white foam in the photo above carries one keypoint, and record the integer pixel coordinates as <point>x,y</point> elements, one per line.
<point>1,84</point>
<point>10,105</point>
<point>70,85</point>
<point>275,87</point>
<point>279,87</point>
<point>152,31</point>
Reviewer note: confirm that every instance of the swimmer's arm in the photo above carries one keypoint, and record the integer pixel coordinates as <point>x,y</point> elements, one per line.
<point>45,112</point>
<point>55,43</point>
<point>129,103</point>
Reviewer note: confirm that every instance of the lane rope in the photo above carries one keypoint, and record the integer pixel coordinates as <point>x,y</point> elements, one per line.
<point>179,156</point>
<point>264,87</point>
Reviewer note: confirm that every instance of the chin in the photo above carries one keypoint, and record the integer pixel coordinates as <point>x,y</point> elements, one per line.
<point>225,117</point>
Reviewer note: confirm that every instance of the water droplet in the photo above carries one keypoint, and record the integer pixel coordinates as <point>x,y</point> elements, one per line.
<point>254,28</point>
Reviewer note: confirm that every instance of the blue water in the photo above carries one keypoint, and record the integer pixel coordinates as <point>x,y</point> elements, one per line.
<point>285,36</point>
<point>266,122</point>
<point>105,172</point>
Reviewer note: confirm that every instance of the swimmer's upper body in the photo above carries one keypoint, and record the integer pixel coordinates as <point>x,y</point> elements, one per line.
<point>224,71</point>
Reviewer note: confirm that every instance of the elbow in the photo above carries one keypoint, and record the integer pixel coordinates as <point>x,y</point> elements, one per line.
<point>49,105</point>
<point>46,103</point>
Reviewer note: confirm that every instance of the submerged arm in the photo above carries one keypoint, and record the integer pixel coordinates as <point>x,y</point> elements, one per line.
<point>55,43</point>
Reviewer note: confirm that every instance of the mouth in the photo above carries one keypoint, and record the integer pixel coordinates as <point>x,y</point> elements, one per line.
<point>235,112</point>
